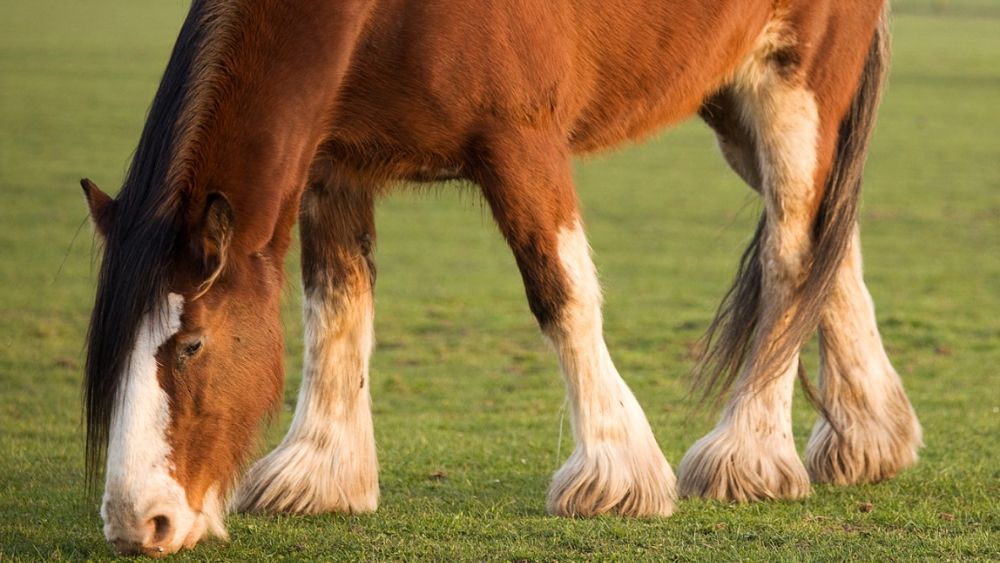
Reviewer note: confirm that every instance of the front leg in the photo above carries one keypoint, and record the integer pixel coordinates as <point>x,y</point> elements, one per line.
<point>617,466</point>
<point>327,461</point>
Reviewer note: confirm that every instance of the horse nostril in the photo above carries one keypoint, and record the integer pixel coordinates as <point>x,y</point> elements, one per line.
<point>162,530</point>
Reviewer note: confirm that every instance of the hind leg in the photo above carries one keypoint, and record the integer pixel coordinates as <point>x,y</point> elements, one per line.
<point>617,466</point>
<point>326,462</point>
<point>751,453</point>
<point>877,433</point>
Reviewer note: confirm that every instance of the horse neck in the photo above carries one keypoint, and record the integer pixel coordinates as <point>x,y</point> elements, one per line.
<point>263,87</point>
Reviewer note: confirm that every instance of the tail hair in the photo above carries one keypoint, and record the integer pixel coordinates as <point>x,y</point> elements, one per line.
<point>730,337</point>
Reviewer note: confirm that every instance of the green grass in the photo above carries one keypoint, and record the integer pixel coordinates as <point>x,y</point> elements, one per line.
<point>462,382</point>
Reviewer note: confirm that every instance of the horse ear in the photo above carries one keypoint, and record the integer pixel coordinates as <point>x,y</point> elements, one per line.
<point>101,206</point>
<point>216,236</point>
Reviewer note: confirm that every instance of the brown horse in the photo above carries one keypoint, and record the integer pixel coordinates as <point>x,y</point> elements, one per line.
<point>270,112</point>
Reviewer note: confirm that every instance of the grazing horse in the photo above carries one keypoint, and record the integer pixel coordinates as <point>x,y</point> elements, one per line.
<point>272,111</point>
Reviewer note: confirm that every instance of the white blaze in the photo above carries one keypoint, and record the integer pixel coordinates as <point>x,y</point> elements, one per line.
<point>139,485</point>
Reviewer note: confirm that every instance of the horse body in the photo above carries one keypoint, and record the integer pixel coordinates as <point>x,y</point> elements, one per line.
<point>594,73</point>
<point>269,114</point>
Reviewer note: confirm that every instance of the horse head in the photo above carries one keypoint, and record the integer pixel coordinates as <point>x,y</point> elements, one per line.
<point>184,361</point>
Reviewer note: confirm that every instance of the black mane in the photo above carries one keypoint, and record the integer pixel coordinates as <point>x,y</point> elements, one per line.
<point>139,245</point>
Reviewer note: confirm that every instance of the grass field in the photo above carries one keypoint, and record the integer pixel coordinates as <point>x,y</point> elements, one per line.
<point>467,397</point>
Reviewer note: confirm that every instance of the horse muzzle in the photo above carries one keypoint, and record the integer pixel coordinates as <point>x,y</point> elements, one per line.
<point>156,527</point>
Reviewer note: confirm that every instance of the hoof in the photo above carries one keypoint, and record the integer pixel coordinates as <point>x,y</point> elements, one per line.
<point>299,478</point>
<point>742,468</point>
<point>606,479</point>
<point>867,449</point>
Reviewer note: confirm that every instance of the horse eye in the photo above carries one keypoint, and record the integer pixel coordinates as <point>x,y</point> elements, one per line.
<point>191,348</point>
